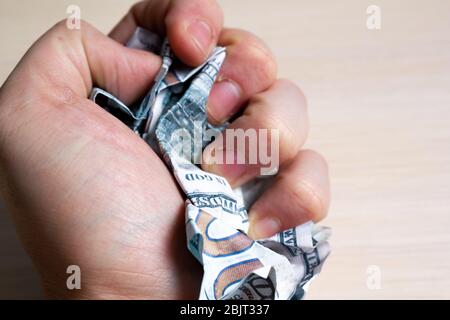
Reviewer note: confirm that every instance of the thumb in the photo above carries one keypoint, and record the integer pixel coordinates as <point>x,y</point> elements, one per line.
<point>78,59</point>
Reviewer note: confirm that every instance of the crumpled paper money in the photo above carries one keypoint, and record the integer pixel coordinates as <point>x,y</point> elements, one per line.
<point>235,266</point>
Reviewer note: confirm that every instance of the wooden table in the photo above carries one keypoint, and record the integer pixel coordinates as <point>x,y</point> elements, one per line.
<point>380,112</point>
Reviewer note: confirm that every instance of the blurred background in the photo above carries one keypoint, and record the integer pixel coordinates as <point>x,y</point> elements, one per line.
<point>379,102</point>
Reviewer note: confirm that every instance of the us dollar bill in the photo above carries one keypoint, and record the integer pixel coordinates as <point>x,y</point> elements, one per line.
<point>235,266</point>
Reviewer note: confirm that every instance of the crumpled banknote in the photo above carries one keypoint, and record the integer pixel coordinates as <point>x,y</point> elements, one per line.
<point>235,266</point>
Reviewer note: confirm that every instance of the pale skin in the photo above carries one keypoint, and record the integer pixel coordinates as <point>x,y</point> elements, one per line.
<point>84,189</point>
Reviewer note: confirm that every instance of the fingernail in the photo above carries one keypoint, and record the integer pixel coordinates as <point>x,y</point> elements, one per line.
<point>201,35</point>
<point>223,101</point>
<point>215,160</point>
<point>263,228</point>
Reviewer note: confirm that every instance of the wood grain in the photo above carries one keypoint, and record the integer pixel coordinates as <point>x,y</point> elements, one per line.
<point>380,113</point>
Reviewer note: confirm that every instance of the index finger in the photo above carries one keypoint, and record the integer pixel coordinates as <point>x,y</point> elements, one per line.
<point>192,27</point>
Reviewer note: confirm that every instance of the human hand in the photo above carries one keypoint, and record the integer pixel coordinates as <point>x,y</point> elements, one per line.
<point>83,189</point>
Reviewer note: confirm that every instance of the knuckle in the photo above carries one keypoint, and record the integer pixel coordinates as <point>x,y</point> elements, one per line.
<point>61,25</point>
<point>266,118</point>
<point>314,156</point>
<point>310,199</point>
<point>292,122</point>
<point>61,32</point>
<point>251,52</point>
<point>293,89</point>
<point>60,28</point>
<point>263,61</point>
<point>286,134</point>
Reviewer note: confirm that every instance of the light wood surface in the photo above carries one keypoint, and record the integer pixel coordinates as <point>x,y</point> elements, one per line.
<point>380,113</point>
